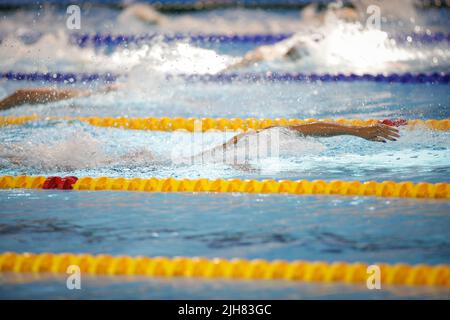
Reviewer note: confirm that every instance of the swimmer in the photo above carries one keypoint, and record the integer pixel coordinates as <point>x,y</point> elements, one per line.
<point>296,46</point>
<point>377,132</point>
<point>88,153</point>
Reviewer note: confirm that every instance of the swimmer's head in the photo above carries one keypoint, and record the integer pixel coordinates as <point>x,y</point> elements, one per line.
<point>342,11</point>
<point>144,13</point>
<point>322,11</point>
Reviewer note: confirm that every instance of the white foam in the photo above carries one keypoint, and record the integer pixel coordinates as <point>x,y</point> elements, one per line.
<point>179,57</point>
<point>267,144</point>
<point>76,151</point>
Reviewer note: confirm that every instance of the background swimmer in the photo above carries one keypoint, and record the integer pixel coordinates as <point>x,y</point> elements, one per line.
<point>296,46</point>
<point>47,95</point>
<point>293,48</point>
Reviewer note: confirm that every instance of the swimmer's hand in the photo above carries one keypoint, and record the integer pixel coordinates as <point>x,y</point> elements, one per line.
<point>378,132</point>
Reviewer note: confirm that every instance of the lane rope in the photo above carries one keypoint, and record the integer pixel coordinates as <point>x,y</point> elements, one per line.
<point>58,77</point>
<point>175,6</point>
<point>404,189</point>
<point>219,124</point>
<point>111,40</point>
<point>73,77</point>
<point>216,268</point>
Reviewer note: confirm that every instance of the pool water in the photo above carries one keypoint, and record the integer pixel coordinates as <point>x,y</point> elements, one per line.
<point>245,226</point>
<point>326,228</point>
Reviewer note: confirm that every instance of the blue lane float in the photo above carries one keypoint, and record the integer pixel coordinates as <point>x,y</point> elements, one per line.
<point>58,77</point>
<point>110,40</point>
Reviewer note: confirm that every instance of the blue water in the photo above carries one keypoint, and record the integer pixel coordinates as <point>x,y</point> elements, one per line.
<point>328,228</point>
<point>160,98</point>
<point>246,226</point>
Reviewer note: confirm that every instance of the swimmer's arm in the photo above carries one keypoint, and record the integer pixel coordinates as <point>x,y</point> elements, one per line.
<point>250,58</point>
<point>39,95</point>
<point>45,95</point>
<point>264,53</point>
<point>377,132</point>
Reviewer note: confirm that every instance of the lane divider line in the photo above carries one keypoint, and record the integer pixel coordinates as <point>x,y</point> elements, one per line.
<point>404,189</point>
<point>112,40</point>
<point>218,124</point>
<point>227,77</point>
<point>239,269</point>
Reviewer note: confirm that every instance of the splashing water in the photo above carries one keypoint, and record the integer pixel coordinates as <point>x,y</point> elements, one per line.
<point>76,148</point>
<point>255,146</point>
<point>171,58</point>
<point>346,47</point>
<point>52,52</point>
<point>350,47</point>
<point>74,151</point>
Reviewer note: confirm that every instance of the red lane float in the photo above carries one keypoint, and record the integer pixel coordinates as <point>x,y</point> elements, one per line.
<point>63,183</point>
<point>394,123</point>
